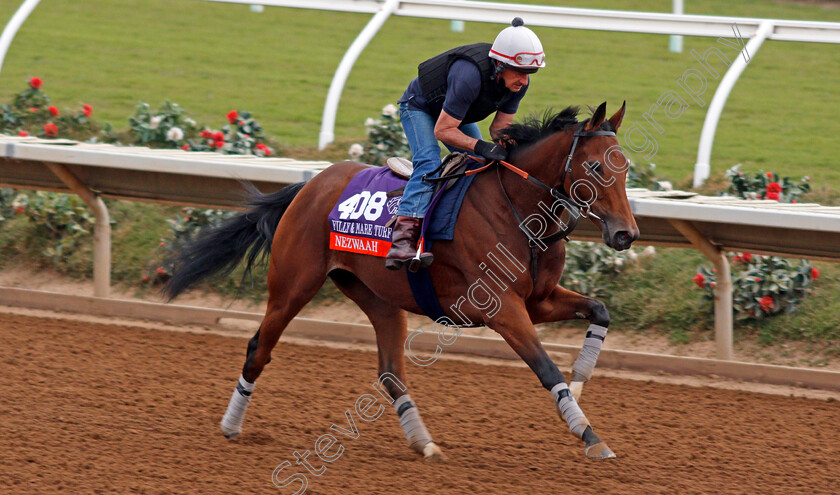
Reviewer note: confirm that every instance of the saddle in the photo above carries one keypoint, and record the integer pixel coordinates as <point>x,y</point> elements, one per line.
<point>452,164</point>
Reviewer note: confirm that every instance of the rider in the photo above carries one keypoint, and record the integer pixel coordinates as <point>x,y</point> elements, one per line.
<point>452,92</point>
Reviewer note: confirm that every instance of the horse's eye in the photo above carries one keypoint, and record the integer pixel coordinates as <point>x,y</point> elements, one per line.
<point>596,167</point>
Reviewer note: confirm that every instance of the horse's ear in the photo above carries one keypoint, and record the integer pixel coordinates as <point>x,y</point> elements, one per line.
<point>598,117</point>
<point>616,119</point>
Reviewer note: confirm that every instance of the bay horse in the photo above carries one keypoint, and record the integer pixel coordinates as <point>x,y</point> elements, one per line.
<point>556,159</point>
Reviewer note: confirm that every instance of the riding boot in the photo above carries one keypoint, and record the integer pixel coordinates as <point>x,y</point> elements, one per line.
<point>404,244</point>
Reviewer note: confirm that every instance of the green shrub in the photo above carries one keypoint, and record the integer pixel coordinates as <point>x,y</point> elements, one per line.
<point>590,265</point>
<point>762,286</point>
<point>64,220</point>
<point>166,127</point>
<point>645,177</point>
<point>30,113</point>
<point>385,139</point>
<point>183,228</point>
<point>766,185</point>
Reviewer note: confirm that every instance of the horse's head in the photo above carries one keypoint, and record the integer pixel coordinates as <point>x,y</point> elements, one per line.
<point>594,176</point>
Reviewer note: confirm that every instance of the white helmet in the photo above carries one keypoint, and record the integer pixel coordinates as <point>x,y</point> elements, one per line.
<point>517,47</point>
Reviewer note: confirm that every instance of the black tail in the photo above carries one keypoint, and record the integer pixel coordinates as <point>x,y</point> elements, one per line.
<point>218,251</point>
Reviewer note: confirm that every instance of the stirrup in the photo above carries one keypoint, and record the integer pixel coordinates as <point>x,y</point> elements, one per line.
<point>420,260</point>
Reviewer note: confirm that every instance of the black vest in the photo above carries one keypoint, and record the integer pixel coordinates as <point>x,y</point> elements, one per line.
<point>432,76</point>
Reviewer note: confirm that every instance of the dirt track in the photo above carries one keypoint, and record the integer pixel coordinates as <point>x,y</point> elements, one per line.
<point>105,409</point>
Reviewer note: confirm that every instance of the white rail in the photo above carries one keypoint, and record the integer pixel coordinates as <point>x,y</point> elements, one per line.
<point>671,218</point>
<point>12,27</point>
<point>571,18</point>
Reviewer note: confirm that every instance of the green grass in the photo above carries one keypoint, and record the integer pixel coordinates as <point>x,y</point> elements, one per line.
<point>212,57</point>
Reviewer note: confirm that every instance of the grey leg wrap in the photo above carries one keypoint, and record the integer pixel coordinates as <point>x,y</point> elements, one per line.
<point>415,431</point>
<point>585,363</point>
<point>569,410</point>
<point>235,414</point>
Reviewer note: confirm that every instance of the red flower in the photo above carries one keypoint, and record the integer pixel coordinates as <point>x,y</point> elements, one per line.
<point>51,130</point>
<point>815,274</point>
<point>772,195</point>
<point>218,144</point>
<point>232,116</point>
<point>767,303</point>
<point>793,201</point>
<point>218,136</point>
<point>19,210</point>
<point>700,280</point>
<point>53,111</point>
<point>757,279</point>
<point>23,134</point>
<point>33,109</point>
<point>35,82</point>
<point>206,134</point>
<point>774,187</point>
<point>87,109</point>
<point>160,271</point>
<point>746,257</point>
<point>185,147</point>
<point>769,175</point>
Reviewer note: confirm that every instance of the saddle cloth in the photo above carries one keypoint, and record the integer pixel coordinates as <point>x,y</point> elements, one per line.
<point>359,220</point>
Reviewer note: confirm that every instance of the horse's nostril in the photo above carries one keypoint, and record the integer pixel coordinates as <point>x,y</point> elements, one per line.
<point>623,239</point>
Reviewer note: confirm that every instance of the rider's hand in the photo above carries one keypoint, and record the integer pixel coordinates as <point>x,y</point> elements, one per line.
<point>490,151</point>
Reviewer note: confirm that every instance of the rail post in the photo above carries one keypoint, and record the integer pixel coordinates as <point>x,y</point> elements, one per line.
<point>723,286</point>
<point>343,71</point>
<point>12,27</point>
<point>703,167</point>
<point>101,229</point>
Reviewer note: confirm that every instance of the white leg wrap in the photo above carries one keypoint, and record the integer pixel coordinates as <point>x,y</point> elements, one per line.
<point>569,410</point>
<point>235,414</point>
<point>585,363</point>
<point>415,431</point>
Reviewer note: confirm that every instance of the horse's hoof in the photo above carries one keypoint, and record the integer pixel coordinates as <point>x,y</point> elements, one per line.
<point>599,451</point>
<point>230,433</point>
<point>577,390</point>
<point>432,453</point>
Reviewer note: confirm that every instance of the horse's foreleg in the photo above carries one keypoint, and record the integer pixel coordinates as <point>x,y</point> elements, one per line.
<point>389,322</point>
<point>518,331</point>
<point>564,304</point>
<point>286,298</point>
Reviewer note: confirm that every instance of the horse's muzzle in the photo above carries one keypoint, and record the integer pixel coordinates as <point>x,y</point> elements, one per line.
<point>623,239</point>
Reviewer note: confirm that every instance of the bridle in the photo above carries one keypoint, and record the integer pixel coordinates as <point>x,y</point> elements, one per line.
<point>576,209</point>
<point>567,168</point>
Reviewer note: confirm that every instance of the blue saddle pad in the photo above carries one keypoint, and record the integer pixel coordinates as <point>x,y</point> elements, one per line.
<point>444,213</point>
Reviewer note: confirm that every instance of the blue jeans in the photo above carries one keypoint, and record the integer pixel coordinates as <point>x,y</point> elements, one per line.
<point>419,128</point>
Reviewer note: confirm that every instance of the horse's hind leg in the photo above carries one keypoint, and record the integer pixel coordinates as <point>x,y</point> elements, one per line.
<point>389,322</point>
<point>286,297</point>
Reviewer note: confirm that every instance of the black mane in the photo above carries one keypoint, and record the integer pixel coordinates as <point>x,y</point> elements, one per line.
<point>537,127</point>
